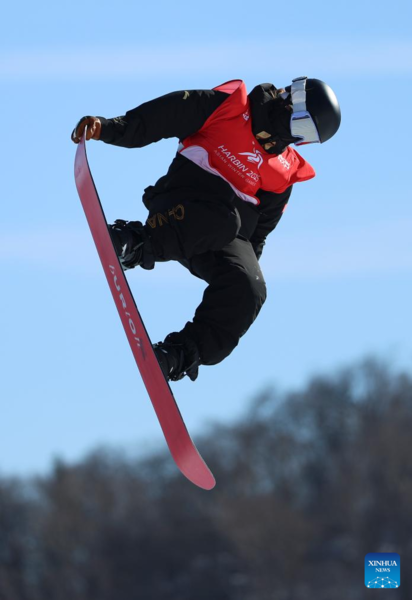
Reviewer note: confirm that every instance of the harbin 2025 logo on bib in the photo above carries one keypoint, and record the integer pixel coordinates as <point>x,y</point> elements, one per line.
<point>382,570</point>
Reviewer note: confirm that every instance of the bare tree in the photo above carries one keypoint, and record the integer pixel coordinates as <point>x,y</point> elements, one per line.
<point>308,483</point>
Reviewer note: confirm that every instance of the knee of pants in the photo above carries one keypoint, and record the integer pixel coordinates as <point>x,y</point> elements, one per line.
<point>220,321</point>
<point>252,292</point>
<point>220,327</point>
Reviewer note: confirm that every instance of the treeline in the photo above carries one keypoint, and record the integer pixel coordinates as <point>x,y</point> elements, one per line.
<point>308,483</point>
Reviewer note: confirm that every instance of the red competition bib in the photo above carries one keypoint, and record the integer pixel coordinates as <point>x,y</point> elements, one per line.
<point>226,146</point>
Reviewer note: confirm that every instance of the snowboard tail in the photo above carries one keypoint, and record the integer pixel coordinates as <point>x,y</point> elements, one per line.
<point>181,446</point>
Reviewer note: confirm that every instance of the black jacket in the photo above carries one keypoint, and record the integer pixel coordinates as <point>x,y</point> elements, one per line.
<point>179,115</point>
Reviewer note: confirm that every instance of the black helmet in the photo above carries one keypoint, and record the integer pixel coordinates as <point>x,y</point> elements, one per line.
<point>315,97</point>
<point>324,108</point>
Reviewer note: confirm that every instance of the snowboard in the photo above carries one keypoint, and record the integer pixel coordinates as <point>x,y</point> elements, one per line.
<point>181,446</point>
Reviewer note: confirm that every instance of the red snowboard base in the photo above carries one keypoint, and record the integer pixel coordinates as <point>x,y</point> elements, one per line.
<point>182,448</point>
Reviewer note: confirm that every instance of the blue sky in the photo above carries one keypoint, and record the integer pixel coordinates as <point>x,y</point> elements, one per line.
<point>338,267</point>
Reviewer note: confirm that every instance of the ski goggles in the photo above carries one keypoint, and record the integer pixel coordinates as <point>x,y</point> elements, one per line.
<point>301,123</point>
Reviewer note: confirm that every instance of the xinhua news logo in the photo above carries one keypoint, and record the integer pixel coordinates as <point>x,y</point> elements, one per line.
<point>382,570</point>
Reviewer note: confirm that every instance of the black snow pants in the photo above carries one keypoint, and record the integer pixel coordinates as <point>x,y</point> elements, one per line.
<point>204,237</point>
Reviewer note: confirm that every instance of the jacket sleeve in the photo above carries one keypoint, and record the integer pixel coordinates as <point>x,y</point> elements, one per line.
<point>272,207</point>
<point>178,114</point>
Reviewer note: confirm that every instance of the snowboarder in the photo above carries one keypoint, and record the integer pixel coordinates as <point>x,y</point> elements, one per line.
<point>224,192</point>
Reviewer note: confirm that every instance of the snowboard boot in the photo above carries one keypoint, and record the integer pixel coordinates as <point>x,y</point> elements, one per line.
<point>128,239</point>
<point>178,356</point>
